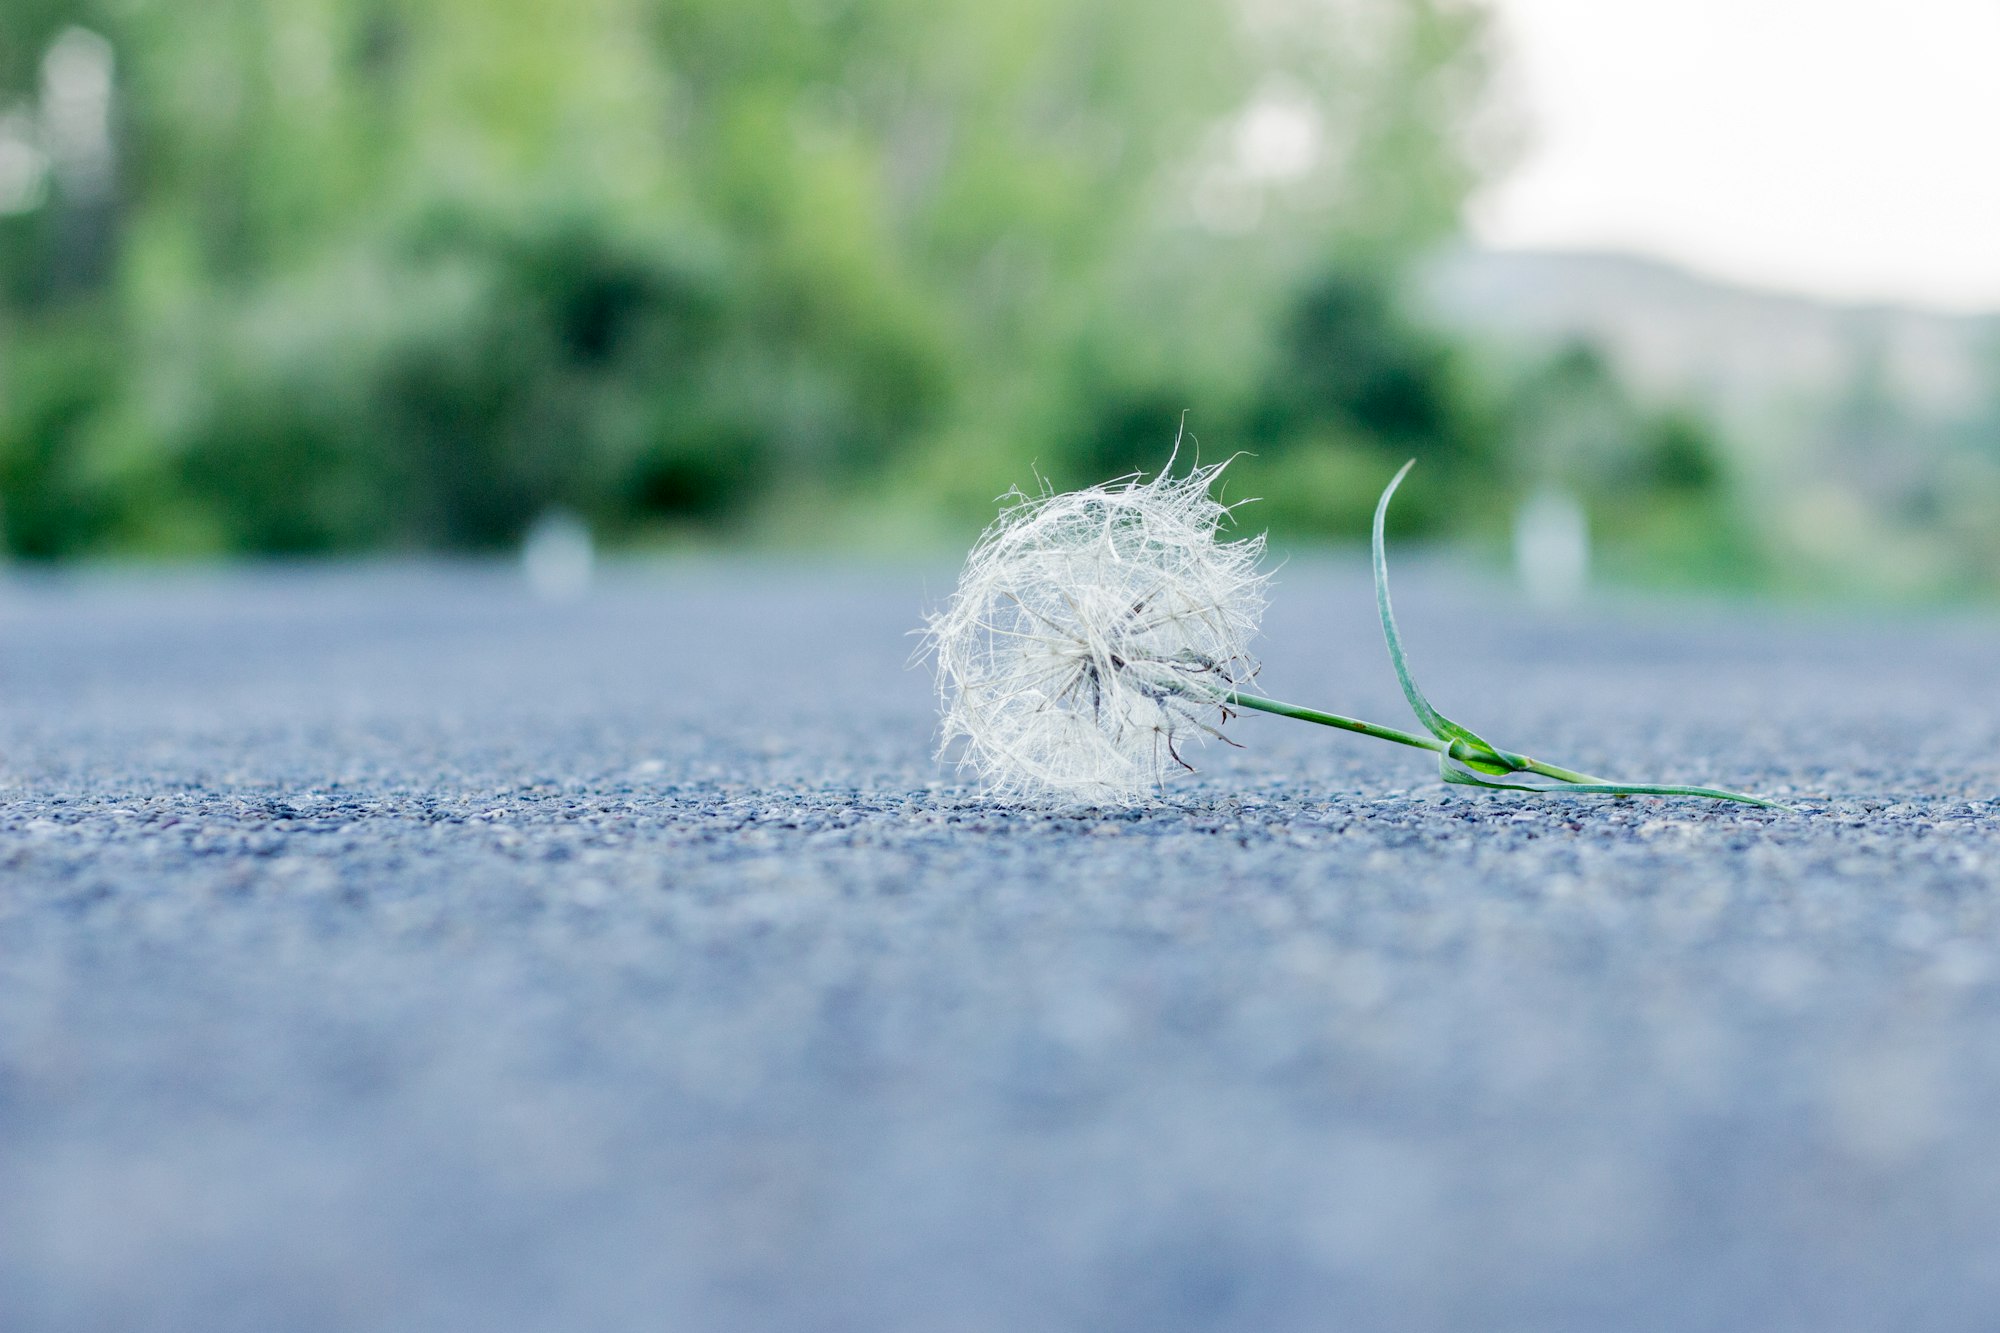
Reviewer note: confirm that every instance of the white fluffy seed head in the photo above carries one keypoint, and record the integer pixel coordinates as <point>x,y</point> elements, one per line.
<point>1094,634</point>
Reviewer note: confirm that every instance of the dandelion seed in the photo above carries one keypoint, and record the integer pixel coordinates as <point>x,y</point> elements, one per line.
<point>1095,634</point>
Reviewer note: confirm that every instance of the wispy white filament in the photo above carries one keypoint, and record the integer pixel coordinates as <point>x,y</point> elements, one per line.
<point>1094,634</point>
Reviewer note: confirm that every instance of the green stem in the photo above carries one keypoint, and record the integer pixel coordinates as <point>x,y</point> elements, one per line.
<point>1552,771</point>
<point>1580,783</point>
<point>1380,733</point>
<point>1520,763</point>
<point>1464,756</point>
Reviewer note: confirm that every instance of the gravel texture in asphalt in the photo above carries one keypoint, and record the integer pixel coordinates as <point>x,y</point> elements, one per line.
<point>385,949</point>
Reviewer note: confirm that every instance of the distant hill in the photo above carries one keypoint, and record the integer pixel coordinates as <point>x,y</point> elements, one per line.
<point>1752,356</point>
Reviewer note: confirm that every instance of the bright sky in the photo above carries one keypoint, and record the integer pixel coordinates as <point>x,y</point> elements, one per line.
<point>1844,148</point>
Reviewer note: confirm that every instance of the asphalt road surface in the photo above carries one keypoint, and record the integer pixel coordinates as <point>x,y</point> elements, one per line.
<point>384,949</point>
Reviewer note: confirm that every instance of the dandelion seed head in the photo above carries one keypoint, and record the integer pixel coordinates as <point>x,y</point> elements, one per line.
<point>1094,635</point>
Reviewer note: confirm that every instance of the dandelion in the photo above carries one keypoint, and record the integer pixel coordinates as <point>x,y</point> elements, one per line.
<point>1096,633</point>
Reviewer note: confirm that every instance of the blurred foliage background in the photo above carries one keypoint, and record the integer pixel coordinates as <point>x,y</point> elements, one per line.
<point>327,276</point>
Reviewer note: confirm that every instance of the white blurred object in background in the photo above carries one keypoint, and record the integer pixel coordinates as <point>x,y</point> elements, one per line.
<point>558,556</point>
<point>1552,547</point>
<point>78,78</point>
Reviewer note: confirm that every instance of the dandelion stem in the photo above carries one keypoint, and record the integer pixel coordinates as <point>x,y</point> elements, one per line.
<point>1456,749</point>
<point>1559,774</point>
<point>1492,757</point>
<point>1381,733</point>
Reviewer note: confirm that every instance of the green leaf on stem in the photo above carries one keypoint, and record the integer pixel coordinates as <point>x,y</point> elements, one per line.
<point>1469,759</point>
<point>1485,757</point>
<point>1455,769</point>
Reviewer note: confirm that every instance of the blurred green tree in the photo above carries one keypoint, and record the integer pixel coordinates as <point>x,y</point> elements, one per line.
<point>321,275</point>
